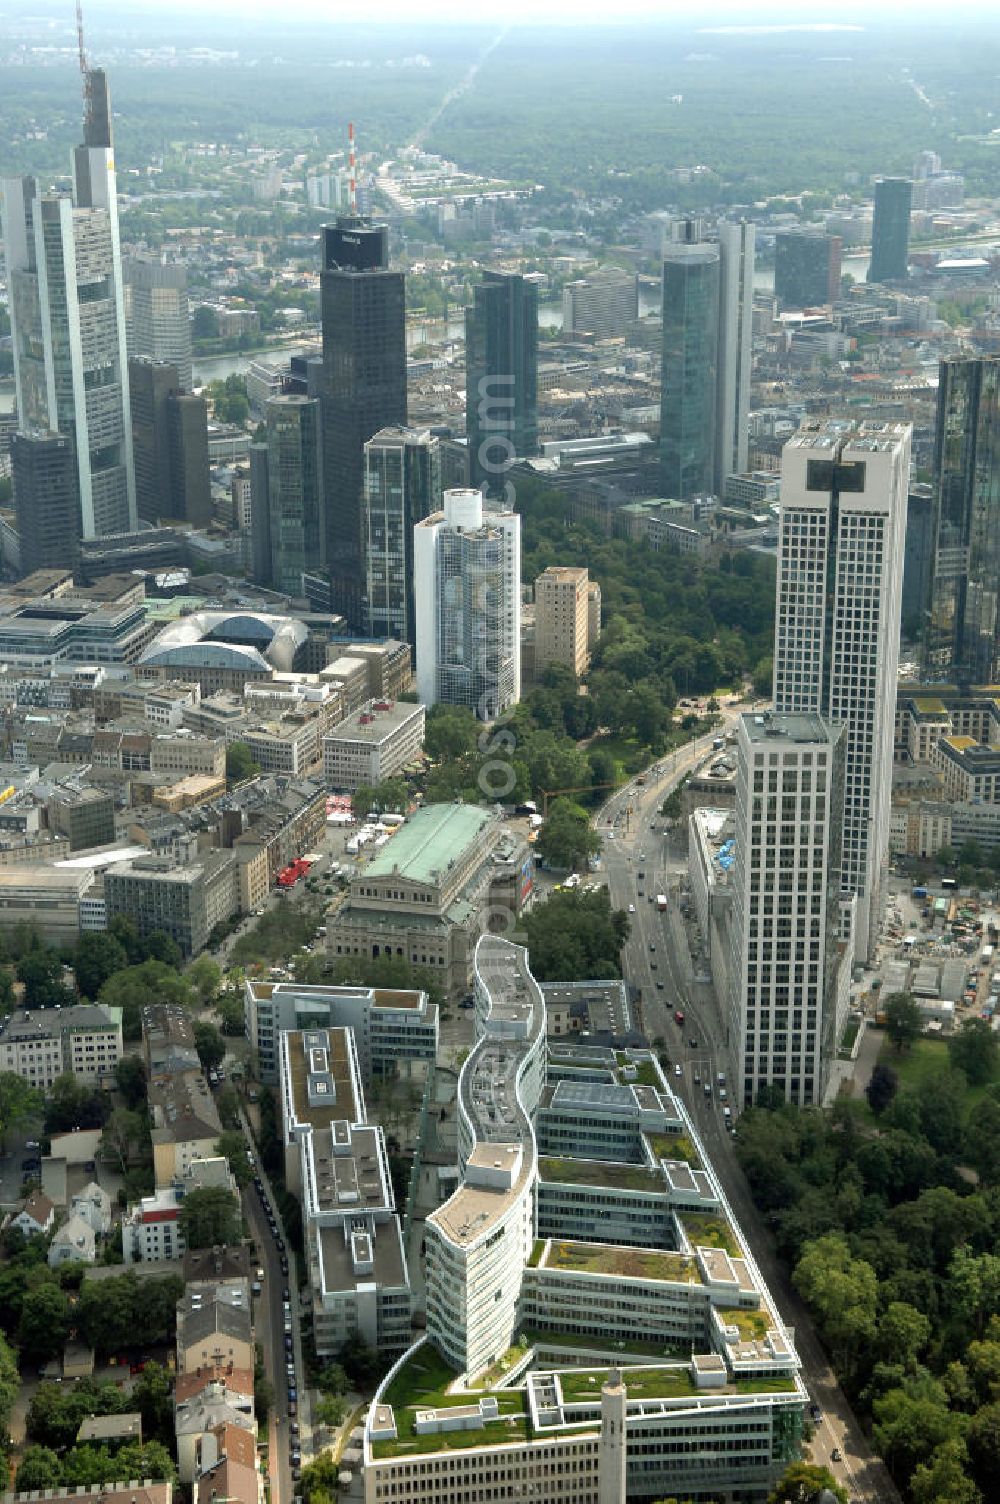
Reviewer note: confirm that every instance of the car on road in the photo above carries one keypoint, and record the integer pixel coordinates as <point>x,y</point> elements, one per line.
<point>284,1267</point>
<point>697,1078</point>
<point>293,1429</point>
<point>721,1078</point>
<point>659,986</point>
<point>631,908</point>
<point>836,1455</point>
<point>285,1295</point>
<point>708,1088</point>
<point>651,945</point>
<point>678,1071</point>
<point>32,1143</point>
<point>727,1113</point>
<point>678,1016</point>
<point>640,875</point>
<point>652,965</point>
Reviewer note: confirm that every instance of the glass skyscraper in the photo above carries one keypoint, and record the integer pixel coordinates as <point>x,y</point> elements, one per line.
<point>287,500</point>
<point>690,361</point>
<point>890,230</point>
<point>402,487</point>
<point>963,626</point>
<point>501,360</point>
<point>363,310</point>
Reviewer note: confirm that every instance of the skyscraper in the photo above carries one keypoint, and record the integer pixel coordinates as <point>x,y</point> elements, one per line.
<point>602,304</point>
<point>690,369</point>
<point>402,487</point>
<point>157,324</point>
<point>806,268</point>
<point>890,230</point>
<point>467,561</point>
<point>46,500</point>
<point>287,504</point>
<point>836,648</point>
<point>68,319</point>
<point>736,265</point>
<point>363,309</point>
<point>963,624</point>
<point>784,968</point>
<point>501,376</point>
<point>170,445</point>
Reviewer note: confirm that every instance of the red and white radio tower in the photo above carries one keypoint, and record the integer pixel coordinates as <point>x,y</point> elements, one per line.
<point>353,168</point>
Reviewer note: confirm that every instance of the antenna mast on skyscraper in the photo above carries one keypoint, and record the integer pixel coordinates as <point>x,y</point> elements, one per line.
<point>84,67</point>
<point>350,162</point>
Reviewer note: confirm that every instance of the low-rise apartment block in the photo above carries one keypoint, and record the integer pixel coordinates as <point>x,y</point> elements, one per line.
<point>391,1029</point>
<point>186,1126</point>
<point>43,1043</point>
<point>337,1164</point>
<point>383,738</point>
<point>46,897</point>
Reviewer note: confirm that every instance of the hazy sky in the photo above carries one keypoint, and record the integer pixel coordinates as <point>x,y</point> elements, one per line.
<point>736,12</point>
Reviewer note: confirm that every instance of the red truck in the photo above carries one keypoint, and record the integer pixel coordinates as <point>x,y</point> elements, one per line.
<point>289,876</point>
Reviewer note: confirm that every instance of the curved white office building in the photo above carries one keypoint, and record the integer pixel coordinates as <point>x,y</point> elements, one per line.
<point>479,1242</point>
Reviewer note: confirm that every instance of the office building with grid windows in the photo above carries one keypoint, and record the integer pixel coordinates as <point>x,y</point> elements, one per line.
<point>786,959</point>
<point>468,614</point>
<point>402,487</point>
<point>836,649</point>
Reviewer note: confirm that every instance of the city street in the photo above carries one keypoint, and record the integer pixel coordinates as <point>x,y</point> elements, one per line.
<point>657,951</point>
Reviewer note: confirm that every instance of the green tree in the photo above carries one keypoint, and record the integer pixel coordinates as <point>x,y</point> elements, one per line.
<point>124,1135</point>
<point>972,1049</point>
<point>233,1148</point>
<point>231,1012</point>
<point>983,1442</point>
<point>159,946</point>
<point>41,971</point>
<point>910,1423</point>
<point>574,935</point>
<point>70,1105</point>
<point>841,1291</point>
<point>239,763</point>
<point>803,1482</point>
<point>329,1410</point>
<point>945,1479</point>
<point>204,974</point>
<point>39,1468</point>
<point>152,1396</point>
<point>10,1383</point>
<point>137,986</point>
<point>567,837</point>
<point>96,958</point>
<point>44,1323</point>
<point>319,1479</point>
<point>881,1088</point>
<point>150,1460</point>
<point>903,1020</point>
<point>903,1333</point>
<point>19,1103</point>
<point>204,323</point>
<point>210,1045</point>
<point>130,1078</point>
<point>210,1216</point>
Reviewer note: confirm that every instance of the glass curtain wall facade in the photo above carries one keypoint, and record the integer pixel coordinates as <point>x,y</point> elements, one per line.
<point>890,230</point>
<point>294,489</point>
<point>402,486</point>
<point>501,397</point>
<point>690,355</point>
<point>963,626</point>
<point>363,310</point>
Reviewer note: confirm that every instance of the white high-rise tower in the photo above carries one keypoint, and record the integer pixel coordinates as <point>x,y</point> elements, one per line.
<point>836,641</point>
<point>467,583</point>
<point>732,402</point>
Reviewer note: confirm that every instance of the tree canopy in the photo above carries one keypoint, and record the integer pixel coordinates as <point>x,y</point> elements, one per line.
<point>210,1216</point>
<point>574,935</point>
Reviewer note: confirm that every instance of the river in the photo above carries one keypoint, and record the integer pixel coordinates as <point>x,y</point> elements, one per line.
<point>217,367</point>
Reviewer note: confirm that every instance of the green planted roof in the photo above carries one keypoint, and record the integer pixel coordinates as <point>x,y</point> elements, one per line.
<point>431,839</point>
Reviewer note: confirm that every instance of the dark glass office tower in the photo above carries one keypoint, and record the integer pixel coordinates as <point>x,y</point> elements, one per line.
<point>363,307</point>
<point>690,355</point>
<point>806,268</point>
<point>501,376</point>
<point>891,230</point>
<point>963,625</point>
<point>46,500</point>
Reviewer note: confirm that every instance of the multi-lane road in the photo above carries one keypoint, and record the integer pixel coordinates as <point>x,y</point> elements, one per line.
<point>657,952</point>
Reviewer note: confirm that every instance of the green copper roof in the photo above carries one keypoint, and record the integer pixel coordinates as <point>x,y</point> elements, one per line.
<point>423,848</point>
